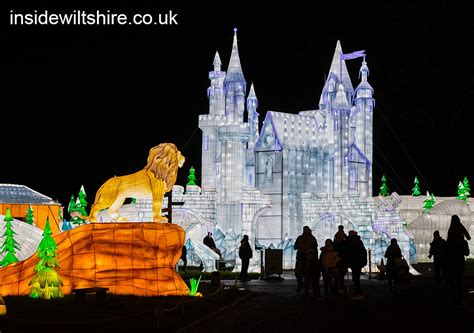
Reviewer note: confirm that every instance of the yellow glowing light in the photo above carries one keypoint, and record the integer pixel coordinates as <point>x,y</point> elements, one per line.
<point>157,178</point>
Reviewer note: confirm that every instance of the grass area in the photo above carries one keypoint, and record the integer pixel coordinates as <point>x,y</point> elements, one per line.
<point>118,314</point>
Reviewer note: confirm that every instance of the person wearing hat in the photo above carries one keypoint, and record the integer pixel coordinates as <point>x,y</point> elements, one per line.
<point>307,264</point>
<point>245,254</point>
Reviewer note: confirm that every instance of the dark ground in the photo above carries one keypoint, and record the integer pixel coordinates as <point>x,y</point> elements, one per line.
<point>263,306</point>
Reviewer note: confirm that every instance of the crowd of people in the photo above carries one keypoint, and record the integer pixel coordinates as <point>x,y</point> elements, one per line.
<point>347,251</point>
<point>449,257</point>
<point>336,257</point>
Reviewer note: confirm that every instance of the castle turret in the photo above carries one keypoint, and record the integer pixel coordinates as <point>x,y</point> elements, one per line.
<point>337,74</point>
<point>364,119</point>
<point>209,123</point>
<point>215,93</point>
<point>233,137</point>
<point>235,86</point>
<point>340,113</point>
<point>252,105</point>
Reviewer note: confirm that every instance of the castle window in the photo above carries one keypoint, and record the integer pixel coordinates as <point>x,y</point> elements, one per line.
<point>205,143</point>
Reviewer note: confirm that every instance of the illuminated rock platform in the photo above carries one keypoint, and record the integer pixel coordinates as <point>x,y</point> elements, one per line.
<point>128,258</point>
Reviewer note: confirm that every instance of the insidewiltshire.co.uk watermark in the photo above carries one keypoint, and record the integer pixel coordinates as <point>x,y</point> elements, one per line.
<point>98,17</point>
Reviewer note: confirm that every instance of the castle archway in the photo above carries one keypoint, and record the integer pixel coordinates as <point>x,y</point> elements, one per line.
<point>326,225</point>
<point>256,219</point>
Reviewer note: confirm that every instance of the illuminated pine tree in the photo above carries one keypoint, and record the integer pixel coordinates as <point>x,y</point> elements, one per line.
<point>429,202</point>
<point>383,187</point>
<point>64,226</point>
<point>9,245</point>
<point>80,208</point>
<point>465,183</point>
<point>30,218</point>
<point>82,199</point>
<point>192,177</point>
<point>72,205</point>
<point>416,190</point>
<point>46,283</point>
<point>72,208</point>
<point>134,201</point>
<point>461,192</point>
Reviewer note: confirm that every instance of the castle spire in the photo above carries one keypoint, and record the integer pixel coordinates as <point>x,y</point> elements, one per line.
<point>234,71</point>
<point>252,105</point>
<point>340,70</point>
<point>364,89</point>
<point>364,70</point>
<point>252,93</point>
<point>217,62</point>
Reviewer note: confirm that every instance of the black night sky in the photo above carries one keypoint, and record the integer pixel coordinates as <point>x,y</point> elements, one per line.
<point>82,104</point>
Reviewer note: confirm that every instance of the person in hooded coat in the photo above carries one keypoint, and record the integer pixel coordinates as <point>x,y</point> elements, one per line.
<point>393,252</point>
<point>355,255</point>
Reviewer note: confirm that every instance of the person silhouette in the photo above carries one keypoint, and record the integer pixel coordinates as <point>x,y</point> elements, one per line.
<point>307,265</point>
<point>355,255</point>
<point>438,253</point>
<point>184,257</point>
<point>393,252</point>
<point>456,249</point>
<point>209,242</point>
<point>245,254</point>
<point>339,244</point>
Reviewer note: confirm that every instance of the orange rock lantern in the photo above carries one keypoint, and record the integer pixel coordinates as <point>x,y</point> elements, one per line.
<point>128,258</point>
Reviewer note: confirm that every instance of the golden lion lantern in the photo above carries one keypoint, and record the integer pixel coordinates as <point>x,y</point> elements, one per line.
<point>157,178</point>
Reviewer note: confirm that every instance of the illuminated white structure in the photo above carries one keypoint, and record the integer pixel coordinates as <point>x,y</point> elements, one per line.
<point>421,224</point>
<point>312,168</point>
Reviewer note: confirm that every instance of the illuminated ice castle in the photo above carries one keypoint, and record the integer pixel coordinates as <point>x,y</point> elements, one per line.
<point>309,168</point>
<point>314,166</point>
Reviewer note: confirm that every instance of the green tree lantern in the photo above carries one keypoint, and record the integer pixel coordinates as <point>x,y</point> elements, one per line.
<point>46,283</point>
<point>9,245</point>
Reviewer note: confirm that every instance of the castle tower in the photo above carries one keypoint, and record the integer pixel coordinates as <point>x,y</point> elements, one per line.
<point>338,74</point>
<point>364,122</point>
<point>215,93</point>
<point>235,86</point>
<point>209,124</point>
<point>252,105</point>
<point>340,113</point>
<point>233,137</point>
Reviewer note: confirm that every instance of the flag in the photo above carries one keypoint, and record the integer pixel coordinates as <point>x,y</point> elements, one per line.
<point>353,55</point>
